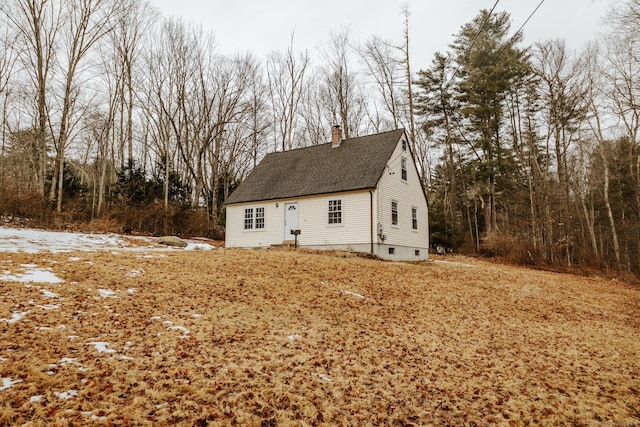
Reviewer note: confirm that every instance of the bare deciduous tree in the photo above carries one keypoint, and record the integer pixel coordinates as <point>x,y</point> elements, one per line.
<point>286,79</point>
<point>37,24</point>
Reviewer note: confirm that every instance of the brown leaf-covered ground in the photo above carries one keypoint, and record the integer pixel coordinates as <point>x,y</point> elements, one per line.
<point>284,337</point>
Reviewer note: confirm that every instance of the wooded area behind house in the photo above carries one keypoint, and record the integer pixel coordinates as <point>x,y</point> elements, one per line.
<point>113,116</point>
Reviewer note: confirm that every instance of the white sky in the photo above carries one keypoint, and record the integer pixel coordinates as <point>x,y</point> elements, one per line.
<point>263,26</point>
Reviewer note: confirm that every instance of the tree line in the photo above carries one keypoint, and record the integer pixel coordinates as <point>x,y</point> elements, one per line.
<point>112,114</point>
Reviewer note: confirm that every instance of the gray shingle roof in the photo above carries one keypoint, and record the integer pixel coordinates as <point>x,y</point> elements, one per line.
<point>358,163</point>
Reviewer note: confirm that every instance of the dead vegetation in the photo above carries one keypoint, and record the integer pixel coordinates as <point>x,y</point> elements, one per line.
<point>284,337</point>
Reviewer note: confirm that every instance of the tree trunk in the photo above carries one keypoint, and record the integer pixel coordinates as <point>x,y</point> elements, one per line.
<point>590,221</point>
<point>612,224</point>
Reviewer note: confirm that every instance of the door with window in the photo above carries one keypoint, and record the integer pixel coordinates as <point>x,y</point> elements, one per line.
<point>290,220</point>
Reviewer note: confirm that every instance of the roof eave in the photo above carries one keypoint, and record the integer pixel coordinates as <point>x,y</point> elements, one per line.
<point>349,190</point>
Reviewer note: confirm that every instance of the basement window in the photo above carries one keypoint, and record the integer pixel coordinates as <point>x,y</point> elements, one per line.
<point>392,251</point>
<point>417,252</point>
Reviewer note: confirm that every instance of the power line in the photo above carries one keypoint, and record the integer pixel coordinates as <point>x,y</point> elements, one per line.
<point>475,39</point>
<point>509,42</point>
<point>527,20</point>
<point>521,27</point>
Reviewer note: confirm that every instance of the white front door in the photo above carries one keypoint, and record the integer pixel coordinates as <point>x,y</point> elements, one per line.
<point>290,220</point>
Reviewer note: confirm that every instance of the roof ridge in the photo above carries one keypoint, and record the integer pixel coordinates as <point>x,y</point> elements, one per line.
<point>344,140</point>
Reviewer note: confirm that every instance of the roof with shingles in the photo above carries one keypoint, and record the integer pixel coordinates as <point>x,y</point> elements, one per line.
<point>358,163</point>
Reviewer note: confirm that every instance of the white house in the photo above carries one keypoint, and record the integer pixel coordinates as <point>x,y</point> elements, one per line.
<point>362,194</point>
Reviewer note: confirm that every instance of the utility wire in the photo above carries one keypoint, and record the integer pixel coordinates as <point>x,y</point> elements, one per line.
<point>456,119</point>
<point>475,39</point>
<point>521,27</point>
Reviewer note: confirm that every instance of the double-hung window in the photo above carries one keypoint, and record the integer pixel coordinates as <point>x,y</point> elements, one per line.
<point>335,212</point>
<point>403,164</point>
<point>414,218</point>
<point>394,213</point>
<point>254,218</point>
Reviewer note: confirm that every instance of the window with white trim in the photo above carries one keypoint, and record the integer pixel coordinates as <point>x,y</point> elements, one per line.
<point>260,218</point>
<point>403,164</point>
<point>254,218</point>
<point>404,145</point>
<point>335,212</point>
<point>414,218</point>
<point>394,213</point>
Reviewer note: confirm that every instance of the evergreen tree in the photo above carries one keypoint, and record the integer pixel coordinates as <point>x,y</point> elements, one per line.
<point>489,64</point>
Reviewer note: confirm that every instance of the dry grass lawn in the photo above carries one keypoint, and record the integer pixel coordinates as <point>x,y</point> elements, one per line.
<point>279,337</point>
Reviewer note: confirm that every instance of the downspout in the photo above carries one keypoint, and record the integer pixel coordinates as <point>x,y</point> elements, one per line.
<point>371,217</point>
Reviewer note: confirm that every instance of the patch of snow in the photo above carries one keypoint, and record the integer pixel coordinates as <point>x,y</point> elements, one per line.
<point>101,347</point>
<point>155,318</point>
<point>36,398</point>
<point>97,418</point>
<point>199,247</point>
<point>2,359</point>
<point>323,377</point>
<point>50,306</point>
<point>29,265</point>
<point>8,383</point>
<point>44,328</point>
<point>354,294</point>
<point>135,273</point>
<point>66,394</point>
<point>132,291</point>
<point>123,357</point>
<point>73,337</point>
<point>49,294</point>
<point>196,315</point>
<point>74,258</point>
<point>106,293</point>
<point>67,360</point>
<point>458,264</point>
<point>294,337</point>
<point>15,316</point>
<point>35,241</point>
<point>32,274</point>
<point>182,329</point>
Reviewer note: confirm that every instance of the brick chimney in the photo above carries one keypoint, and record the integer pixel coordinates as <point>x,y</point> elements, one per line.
<point>336,136</point>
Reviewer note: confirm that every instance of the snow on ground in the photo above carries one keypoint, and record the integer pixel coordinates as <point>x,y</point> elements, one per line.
<point>66,394</point>
<point>458,264</point>
<point>355,294</point>
<point>32,274</point>
<point>35,241</point>
<point>101,347</point>
<point>15,316</point>
<point>8,383</point>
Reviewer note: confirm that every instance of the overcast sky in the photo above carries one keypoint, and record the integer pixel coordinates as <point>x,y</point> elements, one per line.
<point>262,26</point>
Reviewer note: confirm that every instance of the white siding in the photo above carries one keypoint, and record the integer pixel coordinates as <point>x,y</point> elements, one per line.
<point>238,237</point>
<point>313,222</point>
<point>408,194</point>
<point>355,231</point>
